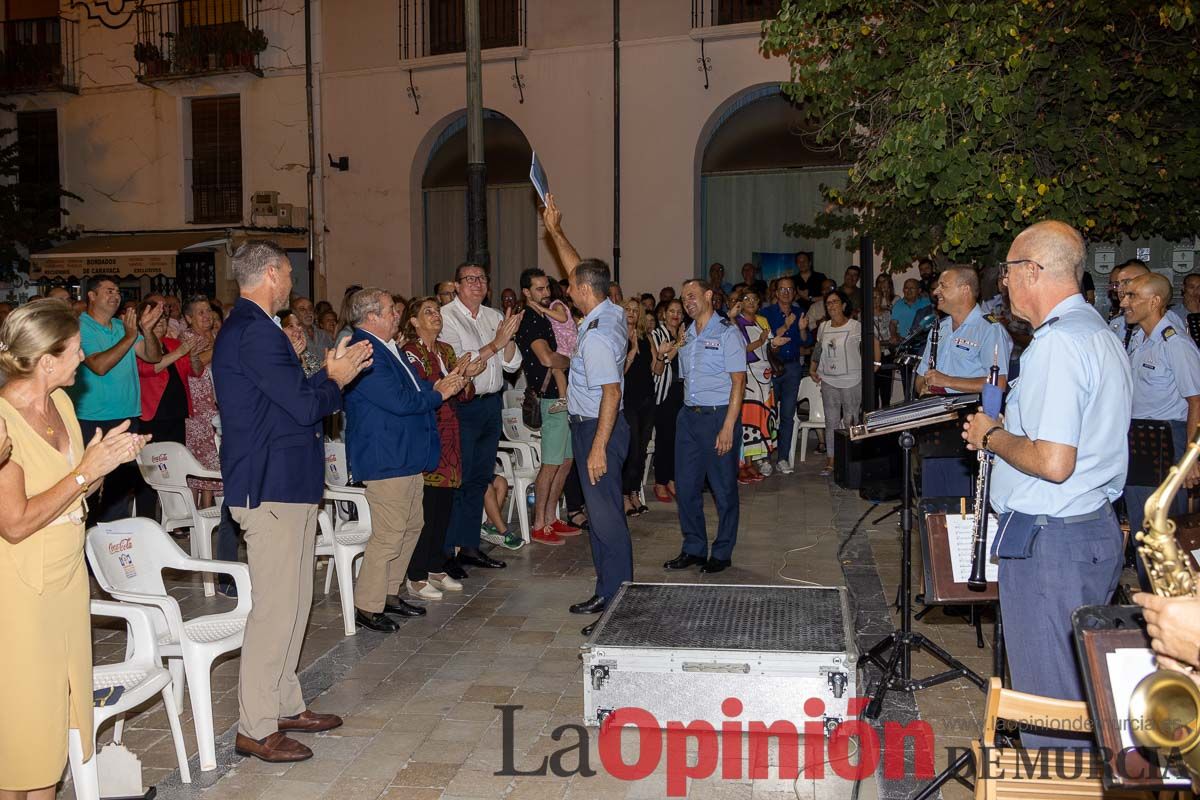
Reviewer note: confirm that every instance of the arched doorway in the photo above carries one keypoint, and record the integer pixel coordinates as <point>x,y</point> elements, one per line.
<point>758,170</point>
<point>511,207</point>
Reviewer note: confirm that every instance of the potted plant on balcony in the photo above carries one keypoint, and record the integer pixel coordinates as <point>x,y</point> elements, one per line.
<point>257,43</point>
<point>188,50</point>
<point>150,57</point>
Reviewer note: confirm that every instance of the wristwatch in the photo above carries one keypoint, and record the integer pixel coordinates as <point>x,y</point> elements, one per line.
<point>80,480</point>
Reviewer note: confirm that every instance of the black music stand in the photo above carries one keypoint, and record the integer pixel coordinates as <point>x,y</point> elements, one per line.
<point>1151,452</point>
<point>896,669</point>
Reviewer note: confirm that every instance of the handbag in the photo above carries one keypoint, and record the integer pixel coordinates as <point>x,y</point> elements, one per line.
<point>531,404</point>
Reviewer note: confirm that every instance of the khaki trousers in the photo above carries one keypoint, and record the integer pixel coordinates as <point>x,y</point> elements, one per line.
<point>280,545</point>
<point>397,516</point>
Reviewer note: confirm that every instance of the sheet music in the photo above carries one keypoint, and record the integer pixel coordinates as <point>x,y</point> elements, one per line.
<point>960,536</point>
<point>919,409</point>
<point>1126,668</point>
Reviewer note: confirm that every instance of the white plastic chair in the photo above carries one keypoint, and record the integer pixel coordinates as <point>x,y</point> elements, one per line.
<point>128,557</point>
<point>810,390</point>
<point>340,538</point>
<point>166,466</point>
<point>142,676</point>
<point>513,398</point>
<point>522,452</point>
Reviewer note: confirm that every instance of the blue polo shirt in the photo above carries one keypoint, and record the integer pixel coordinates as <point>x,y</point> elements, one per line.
<point>116,394</point>
<point>905,315</point>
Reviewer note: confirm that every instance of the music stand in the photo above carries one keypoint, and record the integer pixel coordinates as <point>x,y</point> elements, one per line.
<point>896,670</point>
<point>1193,325</point>
<point>1151,452</point>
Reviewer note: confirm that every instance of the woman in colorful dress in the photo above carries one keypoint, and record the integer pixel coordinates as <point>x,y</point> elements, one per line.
<point>432,360</point>
<point>760,418</point>
<point>200,435</point>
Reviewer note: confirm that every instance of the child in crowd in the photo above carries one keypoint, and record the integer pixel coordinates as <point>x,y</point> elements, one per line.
<point>566,336</point>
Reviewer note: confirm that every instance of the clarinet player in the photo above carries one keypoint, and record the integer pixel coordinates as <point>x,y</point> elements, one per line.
<point>1055,476</point>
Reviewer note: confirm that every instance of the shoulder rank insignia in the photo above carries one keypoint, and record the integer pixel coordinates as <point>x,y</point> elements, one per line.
<point>593,325</point>
<point>1168,332</point>
<point>725,321</point>
<point>1046,324</point>
<point>990,317</point>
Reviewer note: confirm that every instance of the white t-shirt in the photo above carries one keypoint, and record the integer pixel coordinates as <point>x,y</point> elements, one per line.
<point>841,354</point>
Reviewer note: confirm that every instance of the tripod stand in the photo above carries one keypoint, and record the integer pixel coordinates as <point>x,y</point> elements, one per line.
<point>896,669</point>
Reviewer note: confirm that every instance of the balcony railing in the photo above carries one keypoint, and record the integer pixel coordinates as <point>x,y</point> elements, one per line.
<point>38,55</point>
<point>198,37</point>
<point>437,27</point>
<point>709,13</point>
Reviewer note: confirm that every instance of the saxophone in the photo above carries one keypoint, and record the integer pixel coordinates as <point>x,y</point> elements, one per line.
<point>1164,710</point>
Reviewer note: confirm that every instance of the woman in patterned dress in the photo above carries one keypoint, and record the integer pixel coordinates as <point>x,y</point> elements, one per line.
<point>760,418</point>
<point>432,360</point>
<point>199,431</point>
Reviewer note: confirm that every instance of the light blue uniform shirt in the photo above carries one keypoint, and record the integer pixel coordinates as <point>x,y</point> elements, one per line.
<point>968,351</point>
<point>1074,389</point>
<point>599,359</point>
<point>707,359</point>
<point>1117,326</point>
<point>1166,371</point>
<point>117,394</point>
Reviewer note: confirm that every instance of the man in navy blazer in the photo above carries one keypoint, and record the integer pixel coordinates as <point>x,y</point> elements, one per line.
<point>272,463</point>
<point>391,439</point>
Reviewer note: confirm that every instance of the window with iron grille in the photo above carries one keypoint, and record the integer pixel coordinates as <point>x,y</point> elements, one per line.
<point>706,13</point>
<point>438,27</point>
<point>37,166</point>
<point>216,159</point>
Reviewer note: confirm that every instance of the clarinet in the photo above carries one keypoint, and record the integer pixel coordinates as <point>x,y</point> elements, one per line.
<point>983,485</point>
<point>934,337</point>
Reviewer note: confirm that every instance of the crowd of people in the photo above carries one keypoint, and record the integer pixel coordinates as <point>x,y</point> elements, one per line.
<point>415,387</point>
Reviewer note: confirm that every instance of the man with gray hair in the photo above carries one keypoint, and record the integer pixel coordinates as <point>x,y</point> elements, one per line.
<point>391,439</point>
<point>1060,463</point>
<point>273,467</point>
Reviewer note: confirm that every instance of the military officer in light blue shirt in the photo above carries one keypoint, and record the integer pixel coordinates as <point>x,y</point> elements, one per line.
<point>708,430</point>
<point>969,341</point>
<point>599,432</point>
<point>1166,381</point>
<point>1131,335</point>
<point>1060,462</point>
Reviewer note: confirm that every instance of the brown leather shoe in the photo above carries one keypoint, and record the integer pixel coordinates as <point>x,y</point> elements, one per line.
<point>275,749</point>
<point>310,722</point>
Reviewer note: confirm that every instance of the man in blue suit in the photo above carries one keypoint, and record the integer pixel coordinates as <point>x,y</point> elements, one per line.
<point>391,438</point>
<point>272,463</point>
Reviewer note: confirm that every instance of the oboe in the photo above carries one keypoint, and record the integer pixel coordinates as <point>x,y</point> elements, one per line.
<point>983,484</point>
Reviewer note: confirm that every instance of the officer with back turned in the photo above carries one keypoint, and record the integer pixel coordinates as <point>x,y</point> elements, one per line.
<point>599,432</point>
<point>708,430</point>
<point>1060,462</point>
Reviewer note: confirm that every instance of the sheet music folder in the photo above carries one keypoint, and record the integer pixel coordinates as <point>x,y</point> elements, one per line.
<point>913,414</point>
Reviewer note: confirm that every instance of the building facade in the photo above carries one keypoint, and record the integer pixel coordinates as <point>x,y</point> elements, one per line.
<point>190,118</point>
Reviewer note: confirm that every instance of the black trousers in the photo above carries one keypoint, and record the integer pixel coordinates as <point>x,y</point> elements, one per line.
<point>664,423</point>
<point>428,555</point>
<point>121,485</point>
<point>641,426</point>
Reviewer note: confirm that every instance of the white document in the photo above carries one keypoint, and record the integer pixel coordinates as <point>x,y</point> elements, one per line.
<point>960,536</point>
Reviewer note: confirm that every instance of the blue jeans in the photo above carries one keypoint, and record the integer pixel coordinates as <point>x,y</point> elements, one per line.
<point>787,387</point>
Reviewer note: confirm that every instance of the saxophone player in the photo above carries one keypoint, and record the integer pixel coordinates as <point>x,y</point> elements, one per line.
<point>1173,624</point>
<point>1060,462</point>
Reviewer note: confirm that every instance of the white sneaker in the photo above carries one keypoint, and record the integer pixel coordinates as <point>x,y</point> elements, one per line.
<point>441,580</point>
<point>783,467</point>
<point>764,468</point>
<point>424,590</point>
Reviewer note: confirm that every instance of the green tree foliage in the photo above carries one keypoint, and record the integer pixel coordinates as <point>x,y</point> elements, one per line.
<point>970,120</point>
<point>28,221</point>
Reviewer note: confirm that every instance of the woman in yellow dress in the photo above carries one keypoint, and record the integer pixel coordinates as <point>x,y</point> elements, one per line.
<point>45,626</point>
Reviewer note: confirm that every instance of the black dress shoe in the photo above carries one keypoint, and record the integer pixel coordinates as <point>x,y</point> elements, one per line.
<point>454,569</point>
<point>394,605</point>
<point>477,558</point>
<point>587,629</point>
<point>716,565</point>
<point>375,622</point>
<point>683,561</point>
<point>593,605</point>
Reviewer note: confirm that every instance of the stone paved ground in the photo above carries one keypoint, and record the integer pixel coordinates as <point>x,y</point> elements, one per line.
<point>418,705</point>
